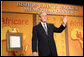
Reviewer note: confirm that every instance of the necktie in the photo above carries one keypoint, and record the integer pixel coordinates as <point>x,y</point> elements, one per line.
<point>45,28</point>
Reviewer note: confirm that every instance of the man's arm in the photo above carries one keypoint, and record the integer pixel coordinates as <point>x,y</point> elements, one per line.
<point>58,30</point>
<point>62,27</point>
<point>34,42</point>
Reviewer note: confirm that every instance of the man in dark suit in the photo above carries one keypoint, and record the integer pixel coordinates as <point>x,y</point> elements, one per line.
<point>43,36</point>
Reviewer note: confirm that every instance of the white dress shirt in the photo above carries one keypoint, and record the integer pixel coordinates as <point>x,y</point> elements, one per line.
<point>64,25</point>
<point>44,26</point>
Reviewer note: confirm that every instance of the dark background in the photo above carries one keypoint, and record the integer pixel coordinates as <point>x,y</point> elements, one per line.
<point>72,2</point>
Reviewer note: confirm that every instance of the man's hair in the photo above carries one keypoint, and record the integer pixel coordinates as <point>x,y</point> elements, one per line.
<point>41,13</point>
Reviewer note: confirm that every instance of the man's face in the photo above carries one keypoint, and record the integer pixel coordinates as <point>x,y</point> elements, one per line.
<point>43,17</point>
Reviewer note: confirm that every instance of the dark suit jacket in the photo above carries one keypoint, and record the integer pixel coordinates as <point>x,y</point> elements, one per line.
<point>46,43</point>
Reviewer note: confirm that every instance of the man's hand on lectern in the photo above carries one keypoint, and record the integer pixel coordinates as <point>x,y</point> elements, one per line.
<point>65,19</point>
<point>34,53</point>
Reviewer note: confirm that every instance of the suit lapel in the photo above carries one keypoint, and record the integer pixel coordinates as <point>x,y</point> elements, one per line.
<point>41,27</point>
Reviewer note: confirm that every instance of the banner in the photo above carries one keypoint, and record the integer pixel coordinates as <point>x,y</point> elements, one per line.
<point>75,36</point>
<point>23,24</point>
<point>36,7</point>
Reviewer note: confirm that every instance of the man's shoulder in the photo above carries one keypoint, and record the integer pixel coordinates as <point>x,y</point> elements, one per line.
<point>35,26</point>
<point>49,23</point>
